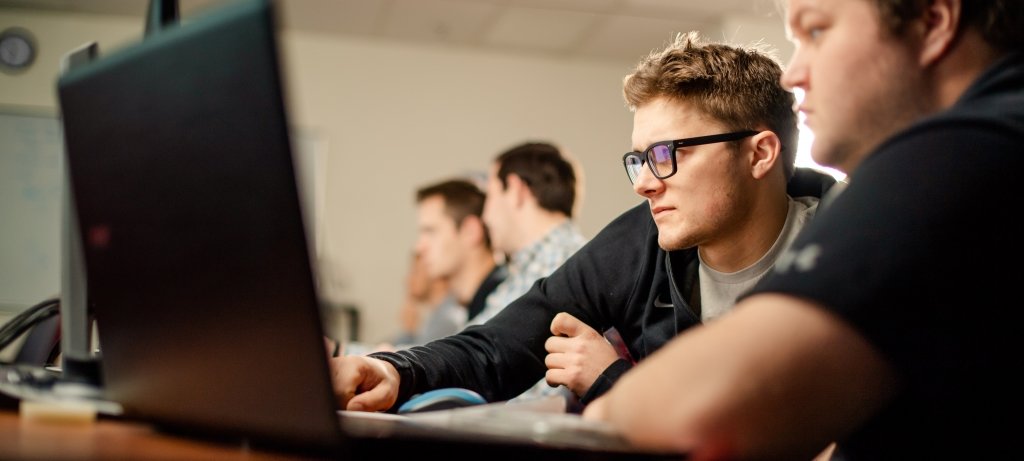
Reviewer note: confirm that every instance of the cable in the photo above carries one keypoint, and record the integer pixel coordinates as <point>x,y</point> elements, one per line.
<point>26,319</point>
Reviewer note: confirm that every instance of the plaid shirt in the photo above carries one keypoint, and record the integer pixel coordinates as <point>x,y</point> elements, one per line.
<point>531,263</point>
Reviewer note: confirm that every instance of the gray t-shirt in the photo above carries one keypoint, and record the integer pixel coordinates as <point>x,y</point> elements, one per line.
<point>719,290</point>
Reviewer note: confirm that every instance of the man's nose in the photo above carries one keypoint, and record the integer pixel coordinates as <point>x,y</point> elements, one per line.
<point>795,74</point>
<point>646,183</point>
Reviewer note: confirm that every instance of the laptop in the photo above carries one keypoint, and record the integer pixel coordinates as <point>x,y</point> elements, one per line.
<point>197,256</point>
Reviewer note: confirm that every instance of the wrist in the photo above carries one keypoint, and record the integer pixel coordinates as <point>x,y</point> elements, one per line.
<point>605,381</point>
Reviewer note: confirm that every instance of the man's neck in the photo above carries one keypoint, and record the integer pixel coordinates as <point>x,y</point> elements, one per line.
<point>474,271</point>
<point>747,243</point>
<point>967,59</point>
<point>535,227</point>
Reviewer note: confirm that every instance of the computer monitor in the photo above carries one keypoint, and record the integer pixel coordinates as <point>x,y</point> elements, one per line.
<point>79,362</point>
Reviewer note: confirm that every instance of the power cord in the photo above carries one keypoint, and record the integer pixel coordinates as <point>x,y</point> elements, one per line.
<point>27,319</point>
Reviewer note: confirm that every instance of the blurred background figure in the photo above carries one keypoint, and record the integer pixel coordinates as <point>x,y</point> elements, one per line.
<point>532,190</point>
<point>452,246</point>
<point>453,242</point>
<point>531,194</point>
<point>429,310</point>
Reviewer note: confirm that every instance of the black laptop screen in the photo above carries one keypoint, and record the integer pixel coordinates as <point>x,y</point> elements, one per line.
<point>195,251</point>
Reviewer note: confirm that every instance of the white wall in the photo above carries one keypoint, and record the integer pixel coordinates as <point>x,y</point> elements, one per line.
<point>432,112</point>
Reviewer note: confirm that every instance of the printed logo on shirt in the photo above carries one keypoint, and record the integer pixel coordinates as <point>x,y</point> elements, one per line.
<point>803,260</point>
<point>659,303</point>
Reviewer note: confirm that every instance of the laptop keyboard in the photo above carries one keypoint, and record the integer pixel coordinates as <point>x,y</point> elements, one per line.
<point>539,422</point>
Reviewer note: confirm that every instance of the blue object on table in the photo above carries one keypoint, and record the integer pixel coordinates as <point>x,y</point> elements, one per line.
<point>441,399</point>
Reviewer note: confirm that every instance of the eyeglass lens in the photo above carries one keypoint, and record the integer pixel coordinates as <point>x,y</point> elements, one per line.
<point>633,166</point>
<point>660,157</point>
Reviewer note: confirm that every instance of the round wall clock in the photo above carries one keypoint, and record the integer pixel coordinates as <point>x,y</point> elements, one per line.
<point>17,49</point>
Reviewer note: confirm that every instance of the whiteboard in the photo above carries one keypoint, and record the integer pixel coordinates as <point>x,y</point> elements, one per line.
<point>31,162</point>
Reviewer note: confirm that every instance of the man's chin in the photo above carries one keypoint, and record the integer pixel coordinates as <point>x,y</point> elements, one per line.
<point>671,244</point>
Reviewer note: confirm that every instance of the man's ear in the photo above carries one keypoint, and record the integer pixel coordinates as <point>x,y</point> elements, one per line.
<point>766,150</point>
<point>938,27</point>
<point>472,229</point>
<point>518,189</point>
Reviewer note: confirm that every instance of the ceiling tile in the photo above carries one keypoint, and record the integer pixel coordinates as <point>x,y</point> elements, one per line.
<point>438,20</point>
<point>597,6</point>
<point>552,30</point>
<point>333,16</point>
<point>682,9</point>
<point>631,38</point>
<point>607,29</point>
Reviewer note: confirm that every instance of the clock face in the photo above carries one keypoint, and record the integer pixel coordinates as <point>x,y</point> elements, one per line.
<point>17,49</point>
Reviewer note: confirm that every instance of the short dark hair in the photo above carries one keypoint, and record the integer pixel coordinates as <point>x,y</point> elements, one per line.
<point>1000,22</point>
<point>545,171</point>
<point>739,87</point>
<point>462,199</point>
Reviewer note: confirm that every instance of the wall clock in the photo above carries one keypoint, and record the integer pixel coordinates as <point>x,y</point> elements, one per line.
<point>17,49</point>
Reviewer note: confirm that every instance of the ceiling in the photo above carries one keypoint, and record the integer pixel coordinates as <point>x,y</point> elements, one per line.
<point>620,30</point>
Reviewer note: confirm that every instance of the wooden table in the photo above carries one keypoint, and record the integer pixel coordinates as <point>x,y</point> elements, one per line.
<point>110,439</point>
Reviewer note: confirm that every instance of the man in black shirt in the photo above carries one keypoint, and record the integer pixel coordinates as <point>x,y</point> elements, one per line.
<point>891,324</point>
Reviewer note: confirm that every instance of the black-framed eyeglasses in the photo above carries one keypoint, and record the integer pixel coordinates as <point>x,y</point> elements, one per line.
<point>661,156</point>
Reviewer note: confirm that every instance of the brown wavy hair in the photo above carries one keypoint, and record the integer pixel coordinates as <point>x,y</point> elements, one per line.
<point>737,86</point>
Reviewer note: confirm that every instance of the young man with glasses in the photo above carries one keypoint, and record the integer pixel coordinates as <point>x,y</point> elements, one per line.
<point>892,324</point>
<point>716,137</point>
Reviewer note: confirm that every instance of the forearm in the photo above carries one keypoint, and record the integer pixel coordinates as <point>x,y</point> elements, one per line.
<point>776,378</point>
<point>505,356</point>
<point>488,359</point>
